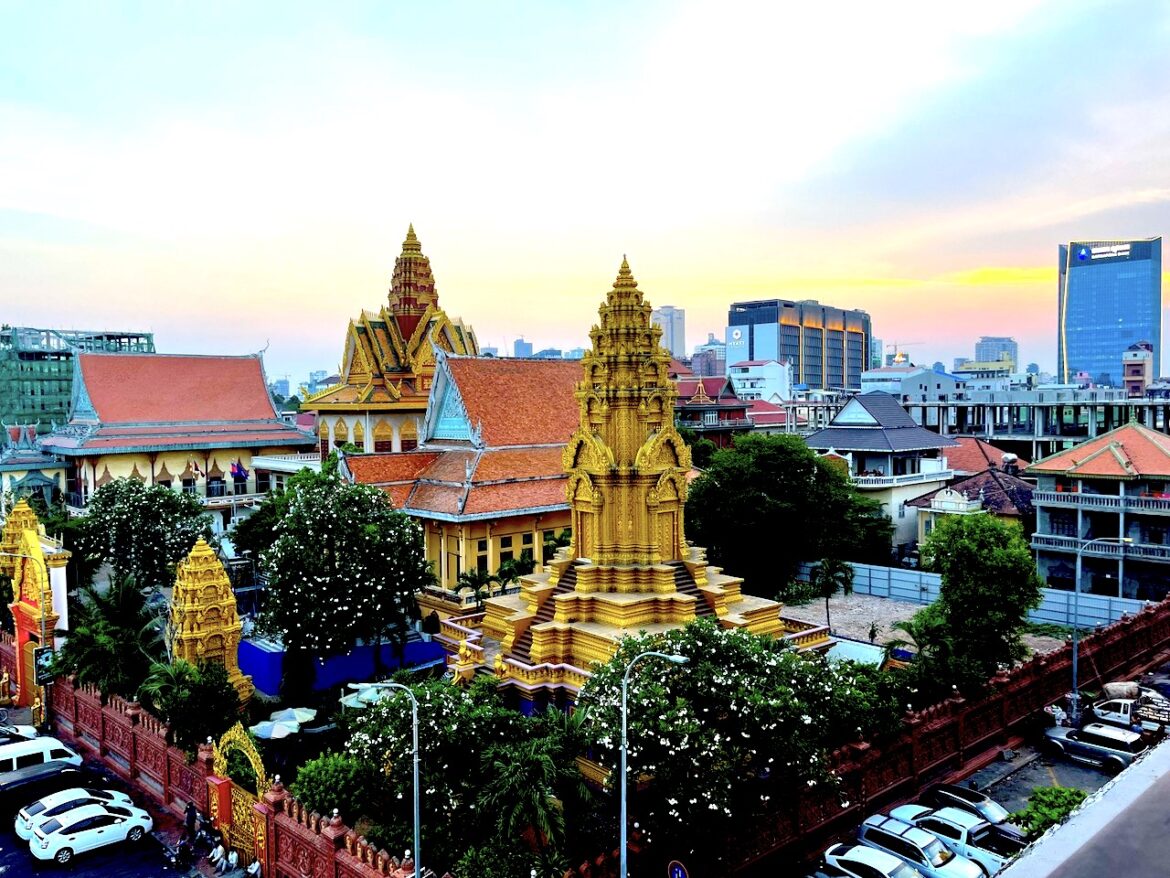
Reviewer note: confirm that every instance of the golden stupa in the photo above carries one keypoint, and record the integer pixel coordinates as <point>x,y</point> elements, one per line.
<point>629,568</point>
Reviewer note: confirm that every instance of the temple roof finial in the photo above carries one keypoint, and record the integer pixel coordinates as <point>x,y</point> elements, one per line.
<point>411,244</point>
<point>625,277</point>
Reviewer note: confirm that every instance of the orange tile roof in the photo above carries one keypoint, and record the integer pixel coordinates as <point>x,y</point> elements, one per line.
<point>444,499</point>
<point>512,496</point>
<point>1128,452</point>
<point>519,402</point>
<point>385,468</point>
<point>399,494</point>
<point>976,455</point>
<point>513,463</point>
<point>138,388</point>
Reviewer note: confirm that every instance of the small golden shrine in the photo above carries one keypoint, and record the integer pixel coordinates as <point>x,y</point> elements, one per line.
<point>628,568</point>
<point>388,362</point>
<point>31,585</point>
<point>204,626</point>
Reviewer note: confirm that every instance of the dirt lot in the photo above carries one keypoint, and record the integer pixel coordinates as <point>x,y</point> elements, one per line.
<point>852,616</point>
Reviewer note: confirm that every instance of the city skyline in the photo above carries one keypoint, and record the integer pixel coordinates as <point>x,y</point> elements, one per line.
<point>241,179</point>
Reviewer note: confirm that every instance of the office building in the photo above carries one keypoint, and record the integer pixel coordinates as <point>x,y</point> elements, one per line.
<point>991,348</point>
<point>674,329</point>
<point>828,347</point>
<point>710,358</point>
<point>1109,297</point>
<point>875,353</point>
<point>279,387</point>
<point>36,369</point>
<point>521,348</point>
<point>761,379</point>
<point>548,354</point>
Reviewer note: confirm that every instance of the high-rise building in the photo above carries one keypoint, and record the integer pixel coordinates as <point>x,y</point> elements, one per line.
<point>674,329</point>
<point>991,348</point>
<point>875,353</point>
<point>36,369</point>
<point>1109,297</point>
<point>959,362</point>
<point>710,358</point>
<point>522,348</point>
<point>828,347</point>
<point>279,387</point>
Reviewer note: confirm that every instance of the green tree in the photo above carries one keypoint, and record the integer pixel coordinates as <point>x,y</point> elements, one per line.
<point>345,566</point>
<point>989,584</point>
<point>830,576</point>
<point>480,583</point>
<point>59,523</point>
<point>113,638</point>
<point>727,735</point>
<point>142,531</point>
<point>197,701</point>
<point>341,781</point>
<point>769,503</point>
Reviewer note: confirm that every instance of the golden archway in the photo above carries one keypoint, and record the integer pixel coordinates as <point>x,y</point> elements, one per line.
<point>236,738</point>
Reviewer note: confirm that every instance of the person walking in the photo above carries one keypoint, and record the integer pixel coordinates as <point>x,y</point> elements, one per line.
<point>190,815</point>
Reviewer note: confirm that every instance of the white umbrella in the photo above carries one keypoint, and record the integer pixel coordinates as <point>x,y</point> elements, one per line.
<point>274,730</point>
<point>354,701</point>
<point>293,715</point>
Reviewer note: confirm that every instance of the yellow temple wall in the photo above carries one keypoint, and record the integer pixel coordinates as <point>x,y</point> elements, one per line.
<point>339,423</point>
<point>122,465</point>
<point>453,548</point>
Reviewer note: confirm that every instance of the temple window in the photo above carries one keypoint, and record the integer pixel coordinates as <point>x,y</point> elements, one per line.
<point>526,540</point>
<point>481,555</point>
<point>163,483</point>
<point>188,486</point>
<point>263,482</point>
<point>506,553</point>
<point>216,487</point>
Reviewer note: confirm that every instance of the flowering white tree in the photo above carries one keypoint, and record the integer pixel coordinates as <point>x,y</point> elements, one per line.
<point>742,723</point>
<point>141,530</point>
<point>345,566</point>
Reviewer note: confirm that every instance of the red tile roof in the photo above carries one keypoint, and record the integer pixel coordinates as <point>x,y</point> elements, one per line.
<point>138,388</point>
<point>380,469</point>
<point>1000,492</point>
<point>976,455</point>
<point>509,496</point>
<point>1127,452</point>
<point>511,463</point>
<point>766,413</point>
<point>519,402</point>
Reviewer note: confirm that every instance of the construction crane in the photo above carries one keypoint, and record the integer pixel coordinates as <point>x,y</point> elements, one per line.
<point>896,349</point>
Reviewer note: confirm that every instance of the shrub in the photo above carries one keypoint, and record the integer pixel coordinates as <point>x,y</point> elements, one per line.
<point>337,780</point>
<point>1048,806</point>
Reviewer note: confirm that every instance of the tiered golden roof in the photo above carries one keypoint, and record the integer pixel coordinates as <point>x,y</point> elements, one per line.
<point>204,625</point>
<point>628,568</point>
<point>388,360</point>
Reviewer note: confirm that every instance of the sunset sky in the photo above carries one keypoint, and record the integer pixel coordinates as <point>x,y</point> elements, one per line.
<point>236,175</point>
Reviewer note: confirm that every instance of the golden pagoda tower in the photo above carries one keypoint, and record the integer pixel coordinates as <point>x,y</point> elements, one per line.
<point>204,626</point>
<point>628,568</point>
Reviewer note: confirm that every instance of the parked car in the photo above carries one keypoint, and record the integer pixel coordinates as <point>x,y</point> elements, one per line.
<point>945,795</point>
<point>58,803</point>
<point>1096,744</point>
<point>9,733</point>
<point>24,753</point>
<point>18,788</point>
<point>1125,713</point>
<point>87,828</point>
<point>859,861</point>
<point>928,855</point>
<point>964,833</point>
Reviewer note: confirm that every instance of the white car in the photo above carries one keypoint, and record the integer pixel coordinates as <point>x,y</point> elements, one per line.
<point>31,816</point>
<point>859,861</point>
<point>87,828</point>
<point>964,833</point>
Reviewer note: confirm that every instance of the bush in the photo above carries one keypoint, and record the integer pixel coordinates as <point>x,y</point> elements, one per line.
<point>1048,806</point>
<point>197,701</point>
<point>337,780</point>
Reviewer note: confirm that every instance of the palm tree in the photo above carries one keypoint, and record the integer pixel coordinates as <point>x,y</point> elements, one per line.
<point>832,575</point>
<point>479,581</point>
<point>168,683</point>
<point>522,792</point>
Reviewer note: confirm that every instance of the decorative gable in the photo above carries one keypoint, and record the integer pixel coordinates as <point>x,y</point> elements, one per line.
<point>854,415</point>
<point>452,422</point>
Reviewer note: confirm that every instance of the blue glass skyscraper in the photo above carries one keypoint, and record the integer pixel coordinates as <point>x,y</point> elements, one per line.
<point>1109,297</point>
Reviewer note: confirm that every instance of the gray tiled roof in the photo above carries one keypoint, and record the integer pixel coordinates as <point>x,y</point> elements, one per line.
<point>897,430</point>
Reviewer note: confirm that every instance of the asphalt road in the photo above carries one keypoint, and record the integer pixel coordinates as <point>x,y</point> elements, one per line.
<point>1013,791</point>
<point>142,860</point>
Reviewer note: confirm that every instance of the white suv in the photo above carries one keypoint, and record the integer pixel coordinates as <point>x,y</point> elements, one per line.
<point>923,851</point>
<point>87,828</point>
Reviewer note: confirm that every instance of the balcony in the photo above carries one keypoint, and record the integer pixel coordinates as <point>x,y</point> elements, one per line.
<point>878,482</point>
<point>1141,551</point>
<point>1101,502</point>
<point>729,424</point>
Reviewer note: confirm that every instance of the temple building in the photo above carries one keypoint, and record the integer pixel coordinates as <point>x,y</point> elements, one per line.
<point>36,564</point>
<point>628,567</point>
<point>204,625</point>
<point>191,423</point>
<point>487,480</point>
<point>25,470</point>
<point>388,363</point>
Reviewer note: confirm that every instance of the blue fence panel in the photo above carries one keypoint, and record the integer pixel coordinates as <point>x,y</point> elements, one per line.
<point>918,587</point>
<point>263,661</point>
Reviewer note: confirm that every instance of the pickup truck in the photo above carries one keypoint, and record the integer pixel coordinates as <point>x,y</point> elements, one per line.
<point>1152,715</point>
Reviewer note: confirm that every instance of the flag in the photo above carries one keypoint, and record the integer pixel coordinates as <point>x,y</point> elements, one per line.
<point>238,471</point>
<point>195,466</point>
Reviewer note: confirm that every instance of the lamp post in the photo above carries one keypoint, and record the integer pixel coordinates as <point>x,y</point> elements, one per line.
<point>674,659</point>
<point>414,746</point>
<point>1075,703</point>
<point>41,600</point>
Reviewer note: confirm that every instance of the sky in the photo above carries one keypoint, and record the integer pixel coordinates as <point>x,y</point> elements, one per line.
<point>237,177</point>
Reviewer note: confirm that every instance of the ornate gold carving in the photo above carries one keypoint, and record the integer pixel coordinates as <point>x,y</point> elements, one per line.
<point>236,738</point>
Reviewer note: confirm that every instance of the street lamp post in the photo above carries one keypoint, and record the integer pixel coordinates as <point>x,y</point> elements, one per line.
<point>414,746</point>
<point>41,599</point>
<point>1075,700</point>
<point>674,659</point>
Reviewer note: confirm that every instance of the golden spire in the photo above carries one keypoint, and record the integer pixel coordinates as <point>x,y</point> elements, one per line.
<point>412,286</point>
<point>626,452</point>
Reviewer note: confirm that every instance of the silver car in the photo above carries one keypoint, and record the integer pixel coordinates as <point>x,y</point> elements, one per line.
<point>917,847</point>
<point>1096,744</point>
